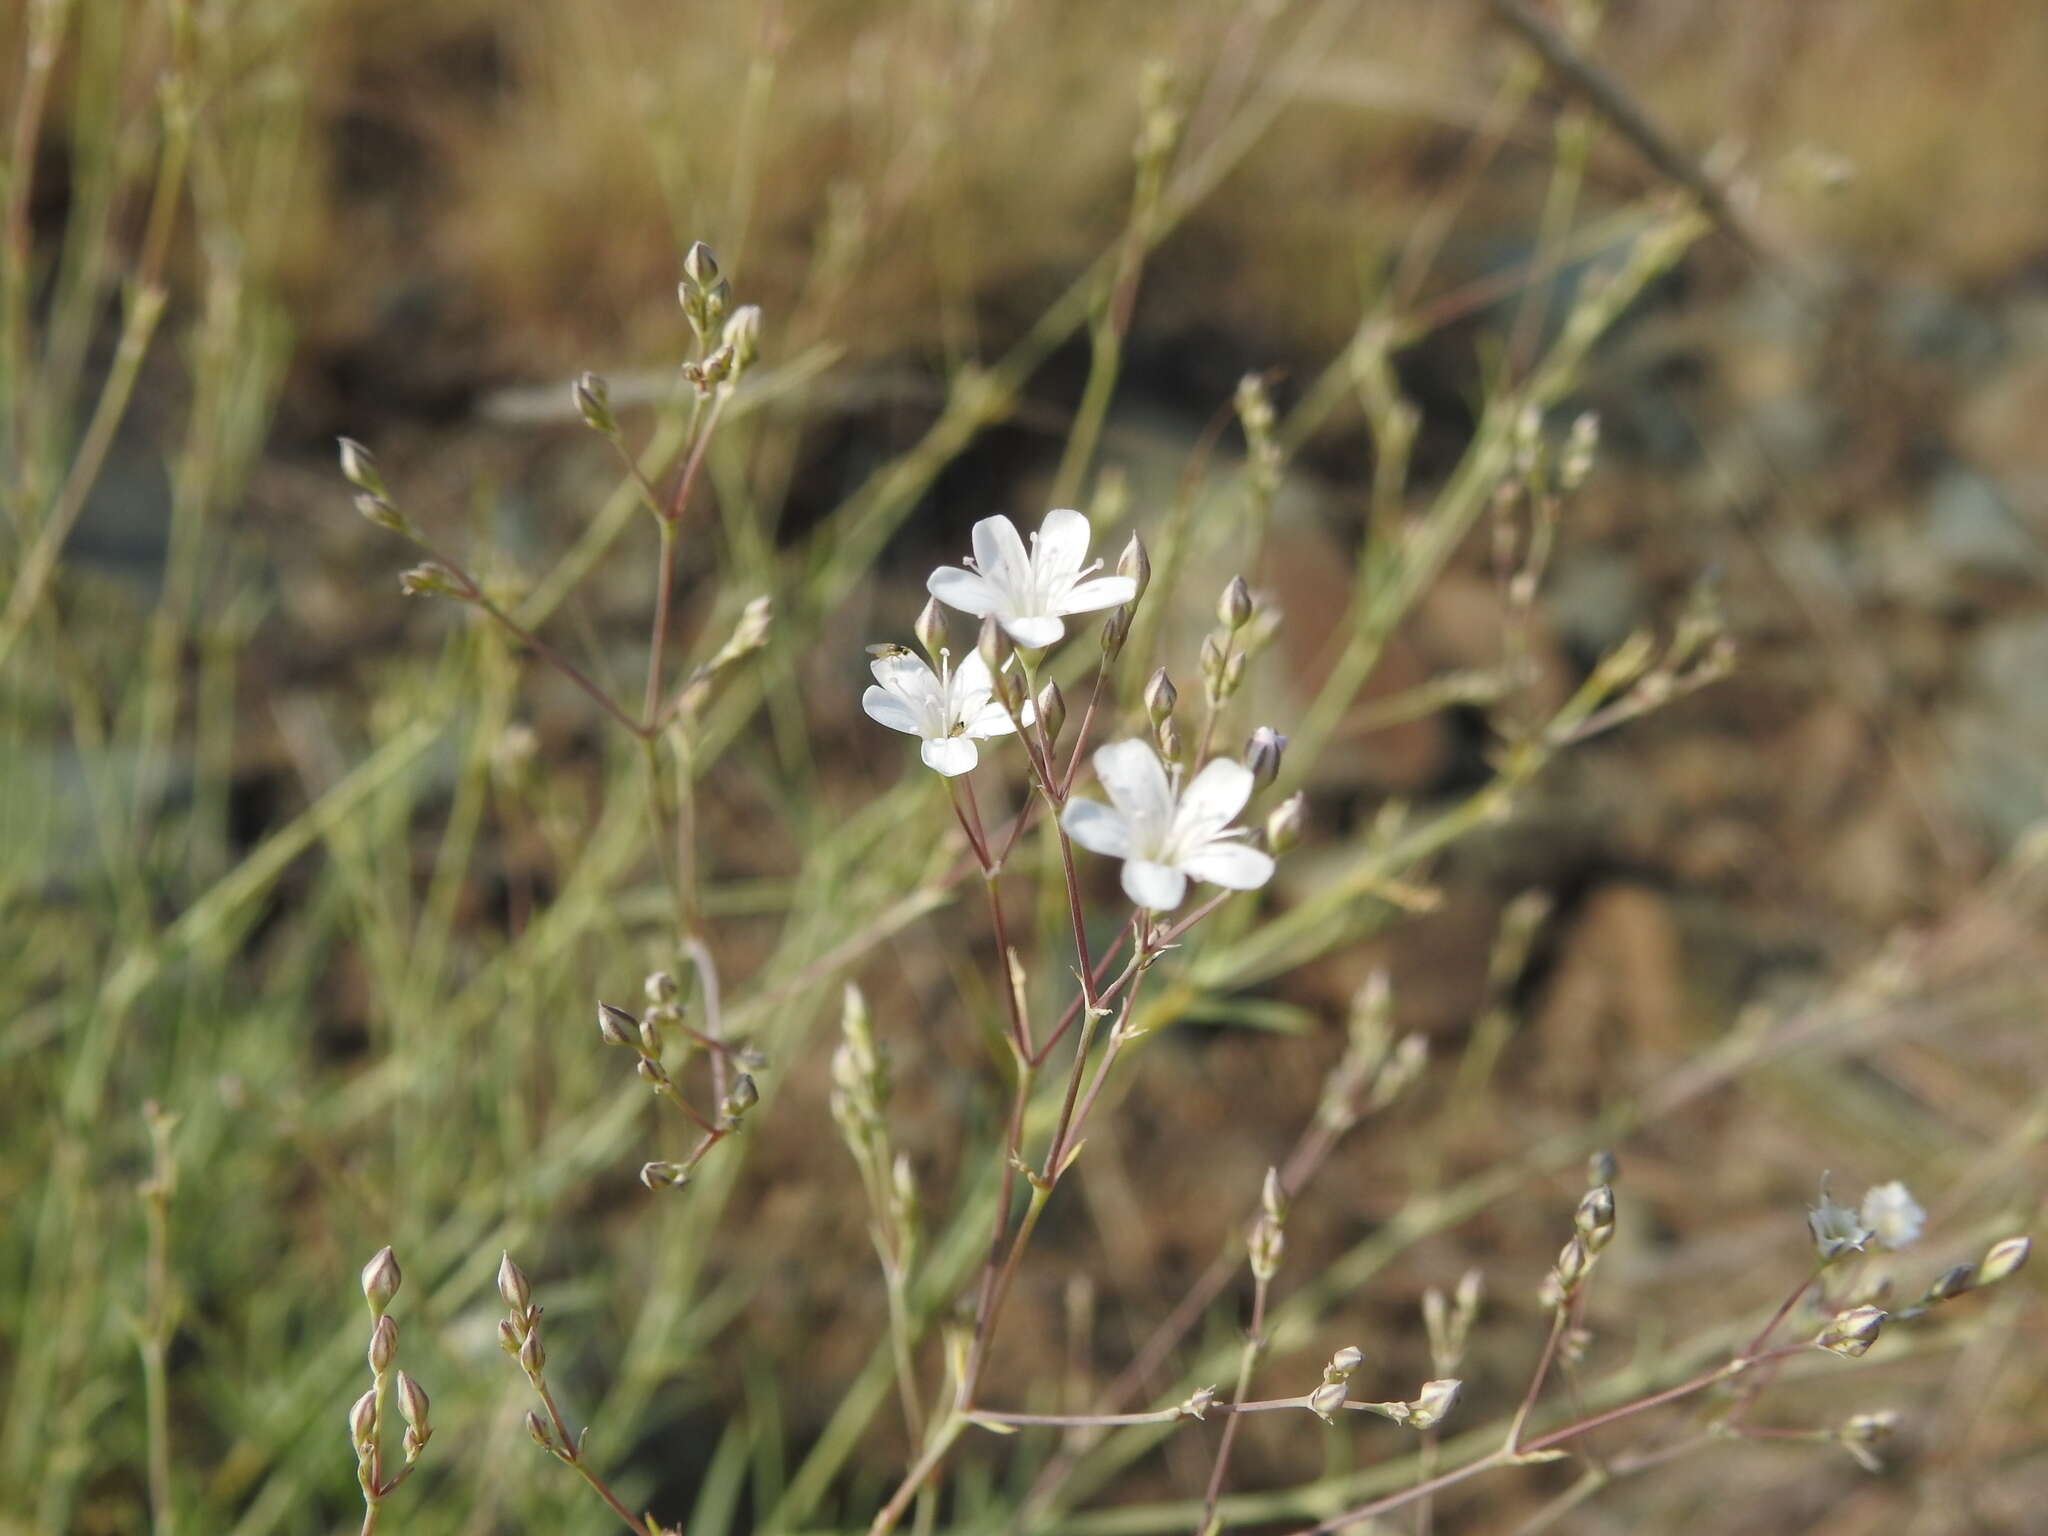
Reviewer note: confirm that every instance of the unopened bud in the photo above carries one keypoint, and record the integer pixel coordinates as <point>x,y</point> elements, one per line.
<point>360,469</point>
<point>380,1281</point>
<point>650,1034</point>
<point>533,1355</point>
<point>1233,674</point>
<point>383,1344</point>
<point>1952,1282</point>
<point>593,398</point>
<point>1573,1260</point>
<point>1273,1196</point>
<point>661,987</point>
<point>1344,1363</point>
<point>512,1287</point>
<point>1168,738</point>
<point>1213,659</point>
<point>651,1073</point>
<point>700,267</point>
<point>1284,824</point>
<point>743,335</point>
<point>1327,1399</point>
<point>1234,608</point>
<point>995,647</point>
<point>1853,1332</point>
<point>743,1097</point>
<point>1160,697</point>
<point>1579,450</point>
<point>617,1026</point>
<point>2004,1258</point>
<point>362,1422</point>
<point>1137,565</point>
<point>379,511</point>
<point>430,579</point>
<point>1595,1218</point>
<point>1051,707</point>
<point>1433,1403</point>
<point>412,1401</point>
<point>508,1336</point>
<point>1863,1433</point>
<point>1116,629</point>
<point>1266,1244</point>
<point>659,1176</point>
<point>930,628</point>
<point>538,1431</point>
<point>1263,754</point>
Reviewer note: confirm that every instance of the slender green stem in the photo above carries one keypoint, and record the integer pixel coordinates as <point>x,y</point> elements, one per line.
<point>1247,1361</point>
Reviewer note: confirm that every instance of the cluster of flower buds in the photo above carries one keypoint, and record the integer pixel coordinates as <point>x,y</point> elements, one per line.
<point>1592,1231</point>
<point>1267,1239</point>
<point>860,1091</point>
<point>1548,468</point>
<point>1375,1069</point>
<point>730,338</point>
<point>2002,1259</point>
<point>359,468</point>
<point>380,1281</point>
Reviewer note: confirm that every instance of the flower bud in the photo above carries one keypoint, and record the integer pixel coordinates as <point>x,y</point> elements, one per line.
<point>1573,1260</point>
<point>379,511</point>
<point>508,1336</point>
<point>617,1026</point>
<point>1160,696</point>
<point>362,1422</point>
<point>1433,1402</point>
<point>700,267</point>
<point>2004,1258</point>
<point>1863,1433</point>
<point>743,1097</point>
<point>1344,1363</point>
<point>538,1431</point>
<point>1233,674</point>
<point>1579,449</point>
<point>1853,1332</point>
<point>1263,754</point>
<point>412,1401</point>
<point>380,1281</point>
<point>1327,1399</point>
<point>360,469</point>
<point>1952,1282</point>
<point>1284,824</point>
<point>995,648</point>
<point>664,1175</point>
<point>1137,565</point>
<point>930,628</point>
<point>650,1072</point>
<point>533,1355</point>
<point>1168,738</point>
<point>1198,1403</point>
<point>1234,608</point>
<point>512,1287</point>
<point>383,1343</point>
<point>650,1034</point>
<point>661,987</point>
<point>1595,1218</point>
<point>593,398</point>
<point>1116,629</point>
<point>430,579</point>
<point>1266,1244</point>
<point>743,335</point>
<point>1213,659</point>
<point>1273,1196</point>
<point>1051,707</point>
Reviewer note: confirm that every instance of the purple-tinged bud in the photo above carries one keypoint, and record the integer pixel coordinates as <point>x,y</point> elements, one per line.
<point>617,1026</point>
<point>380,1281</point>
<point>513,1289</point>
<point>383,1343</point>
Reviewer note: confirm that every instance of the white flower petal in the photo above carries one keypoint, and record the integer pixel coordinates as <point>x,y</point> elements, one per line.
<point>1230,864</point>
<point>951,755</point>
<point>1136,780</point>
<point>962,589</point>
<point>885,708</point>
<point>1156,886</point>
<point>1102,592</point>
<point>1097,828</point>
<point>1062,545</point>
<point>907,676</point>
<point>1032,630</point>
<point>993,720</point>
<point>1213,799</point>
<point>999,553</point>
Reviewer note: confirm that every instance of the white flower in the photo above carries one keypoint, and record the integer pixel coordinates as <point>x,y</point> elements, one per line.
<point>1836,1229</point>
<point>1031,593</point>
<point>951,708</point>
<point>1892,1214</point>
<point>1167,835</point>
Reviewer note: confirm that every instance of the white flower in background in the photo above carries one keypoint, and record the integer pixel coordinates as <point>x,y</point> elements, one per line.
<point>1892,1214</point>
<point>951,709</point>
<point>1030,593</point>
<point>1167,834</point>
<point>1836,1229</point>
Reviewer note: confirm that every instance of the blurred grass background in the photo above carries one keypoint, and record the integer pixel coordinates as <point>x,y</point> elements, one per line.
<point>334,878</point>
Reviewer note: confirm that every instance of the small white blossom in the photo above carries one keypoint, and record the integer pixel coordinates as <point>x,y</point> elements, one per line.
<point>950,709</point>
<point>1892,1214</point>
<point>1030,593</point>
<point>1836,1228</point>
<point>1167,834</point>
